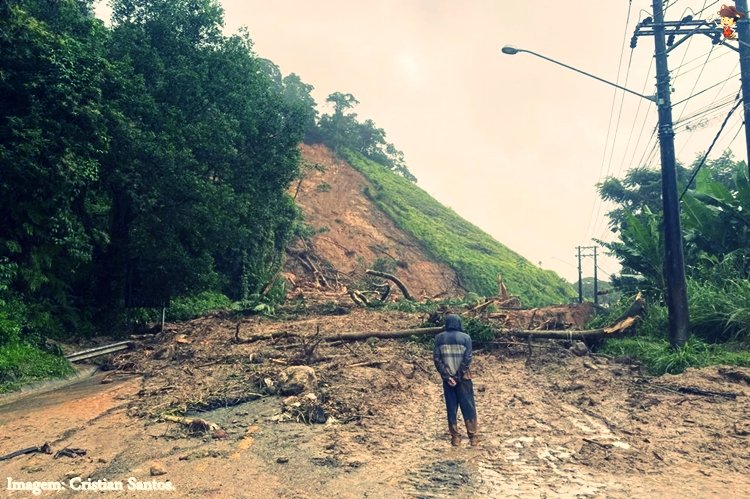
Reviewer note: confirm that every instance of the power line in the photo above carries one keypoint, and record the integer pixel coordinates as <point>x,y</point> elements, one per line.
<point>708,7</point>
<point>685,52</point>
<point>706,89</point>
<point>694,85</point>
<point>716,97</point>
<point>592,217</point>
<point>737,103</point>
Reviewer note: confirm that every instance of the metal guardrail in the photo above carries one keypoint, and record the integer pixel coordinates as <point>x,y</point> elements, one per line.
<point>97,351</point>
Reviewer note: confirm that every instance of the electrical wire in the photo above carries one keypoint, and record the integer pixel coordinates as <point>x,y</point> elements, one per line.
<point>695,85</point>
<point>737,103</point>
<point>686,139</point>
<point>592,217</point>
<point>635,120</point>
<point>705,89</point>
<point>742,124</point>
<point>705,8</point>
<point>687,49</point>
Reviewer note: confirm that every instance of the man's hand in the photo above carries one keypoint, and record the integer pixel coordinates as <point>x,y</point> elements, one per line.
<point>452,381</point>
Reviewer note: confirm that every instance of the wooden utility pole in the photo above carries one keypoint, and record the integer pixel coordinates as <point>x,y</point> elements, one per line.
<point>674,263</point>
<point>743,33</point>
<point>580,277</point>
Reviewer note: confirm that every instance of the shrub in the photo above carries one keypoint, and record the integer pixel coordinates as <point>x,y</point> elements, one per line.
<point>189,307</point>
<point>21,363</point>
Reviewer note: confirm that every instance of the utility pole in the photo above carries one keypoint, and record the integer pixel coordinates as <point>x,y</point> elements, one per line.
<point>580,273</point>
<point>596,281</point>
<point>673,256</point>
<point>743,33</point>
<point>580,278</point>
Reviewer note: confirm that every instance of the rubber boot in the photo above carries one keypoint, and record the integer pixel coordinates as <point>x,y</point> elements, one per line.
<point>455,434</point>
<point>471,429</point>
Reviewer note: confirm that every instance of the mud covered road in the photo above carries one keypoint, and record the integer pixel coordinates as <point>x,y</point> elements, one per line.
<point>553,425</point>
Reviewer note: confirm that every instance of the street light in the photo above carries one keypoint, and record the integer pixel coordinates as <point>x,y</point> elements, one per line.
<point>676,296</point>
<point>511,50</point>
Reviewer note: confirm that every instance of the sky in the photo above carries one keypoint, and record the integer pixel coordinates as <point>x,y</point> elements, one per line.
<point>514,144</point>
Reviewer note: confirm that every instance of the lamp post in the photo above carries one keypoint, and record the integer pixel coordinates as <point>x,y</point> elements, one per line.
<point>510,50</point>
<point>673,255</point>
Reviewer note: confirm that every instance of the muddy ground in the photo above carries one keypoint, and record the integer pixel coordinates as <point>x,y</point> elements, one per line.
<point>552,425</point>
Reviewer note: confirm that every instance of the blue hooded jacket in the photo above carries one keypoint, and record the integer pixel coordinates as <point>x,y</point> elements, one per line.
<point>452,354</point>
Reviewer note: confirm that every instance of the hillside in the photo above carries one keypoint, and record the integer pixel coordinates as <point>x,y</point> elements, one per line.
<point>353,234</point>
<point>365,214</point>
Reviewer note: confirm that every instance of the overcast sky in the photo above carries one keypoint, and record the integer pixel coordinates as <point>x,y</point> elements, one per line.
<point>514,144</point>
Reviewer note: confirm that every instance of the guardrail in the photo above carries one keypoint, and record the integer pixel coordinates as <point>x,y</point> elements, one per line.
<point>97,351</point>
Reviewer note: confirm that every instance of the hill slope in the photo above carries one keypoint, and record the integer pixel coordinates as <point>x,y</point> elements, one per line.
<point>368,213</point>
<point>353,234</point>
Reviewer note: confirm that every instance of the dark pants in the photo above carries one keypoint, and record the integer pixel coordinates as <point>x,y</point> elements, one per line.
<point>461,395</point>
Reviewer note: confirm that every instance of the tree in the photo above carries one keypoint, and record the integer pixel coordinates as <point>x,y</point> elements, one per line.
<point>343,130</point>
<point>52,137</point>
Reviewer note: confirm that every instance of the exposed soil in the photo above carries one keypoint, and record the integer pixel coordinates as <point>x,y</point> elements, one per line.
<point>356,233</point>
<point>553,424</point>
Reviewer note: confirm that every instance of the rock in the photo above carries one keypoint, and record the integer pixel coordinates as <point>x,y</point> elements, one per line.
<point>318,415</point>
<point>101,460</point>
<point>166,353</point>
<point>311,397</point>
<point>219,434</point>
<point>282,459</point>
<point>742,428</point>
<point>589,365</point>
<point>257,358</point>
<point>297,379</point>
<point>290,401</point>
<point>157,470</point>
<point>199,425</point>
<point>580,348</point>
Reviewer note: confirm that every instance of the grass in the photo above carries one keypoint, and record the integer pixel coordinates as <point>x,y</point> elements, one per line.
<point>476,257</point>
<point>659,358</point>
<point>720,311</point>
<point>21,363</point>
<point>652,349</point>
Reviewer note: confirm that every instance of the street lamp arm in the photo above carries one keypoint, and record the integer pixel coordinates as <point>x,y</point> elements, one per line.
<point>513,50</point>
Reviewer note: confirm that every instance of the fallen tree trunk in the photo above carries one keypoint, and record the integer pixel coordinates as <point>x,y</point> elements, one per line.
<point>45,448</point>
<point>393,278</point>
<point>403,333</point>
<point>623,327</point>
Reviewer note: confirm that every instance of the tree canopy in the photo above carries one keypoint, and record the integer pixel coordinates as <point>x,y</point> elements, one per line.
<point>140,162</point>
<point>146,160</point>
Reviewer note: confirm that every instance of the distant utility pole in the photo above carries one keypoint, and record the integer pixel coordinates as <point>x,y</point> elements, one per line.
<point>596,281</point>
<point>580,272</point>
<point>674,263</point>
<point>580,277</point>
<point>743,33</point>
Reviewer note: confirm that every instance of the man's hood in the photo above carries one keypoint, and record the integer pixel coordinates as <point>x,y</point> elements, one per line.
<point>453,323</point>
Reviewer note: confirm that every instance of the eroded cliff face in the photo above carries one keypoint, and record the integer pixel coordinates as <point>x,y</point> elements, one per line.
<point>353,234</point>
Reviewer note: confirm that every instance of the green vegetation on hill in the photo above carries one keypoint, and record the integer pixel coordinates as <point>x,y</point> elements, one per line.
<point>476,256</point>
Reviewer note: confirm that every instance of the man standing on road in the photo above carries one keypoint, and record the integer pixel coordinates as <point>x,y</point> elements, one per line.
<point>452,356</point>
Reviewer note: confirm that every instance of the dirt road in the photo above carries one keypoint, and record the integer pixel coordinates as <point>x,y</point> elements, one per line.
<point>554,425</point>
